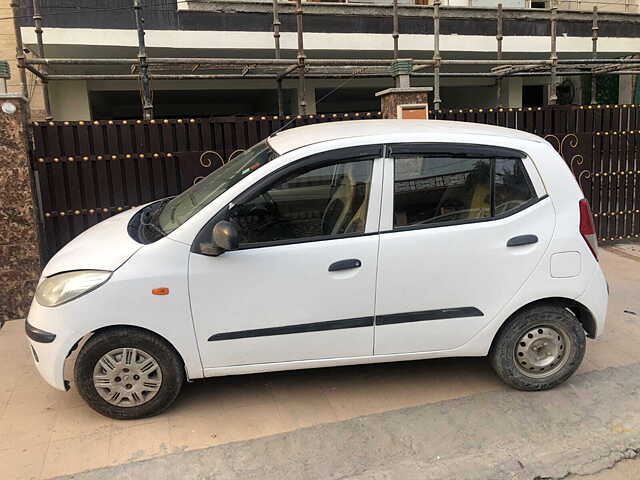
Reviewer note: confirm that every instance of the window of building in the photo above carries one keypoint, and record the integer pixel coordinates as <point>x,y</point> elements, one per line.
<point>317,202</point>
<point>430,190</point>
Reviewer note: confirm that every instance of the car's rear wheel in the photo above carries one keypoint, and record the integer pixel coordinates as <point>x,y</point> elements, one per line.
<point>539,348</point>
<point>128,373</point>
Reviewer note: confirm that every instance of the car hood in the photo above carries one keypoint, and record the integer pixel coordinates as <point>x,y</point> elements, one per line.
<point>104,246</point>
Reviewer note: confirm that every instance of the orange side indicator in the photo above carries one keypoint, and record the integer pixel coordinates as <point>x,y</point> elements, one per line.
<point>160,291</point>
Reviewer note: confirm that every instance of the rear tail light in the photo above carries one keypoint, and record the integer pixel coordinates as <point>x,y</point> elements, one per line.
<point>587,227</point>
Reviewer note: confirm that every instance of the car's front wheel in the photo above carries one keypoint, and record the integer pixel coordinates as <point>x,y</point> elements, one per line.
<point>127,373</point>
<point>539,348</point>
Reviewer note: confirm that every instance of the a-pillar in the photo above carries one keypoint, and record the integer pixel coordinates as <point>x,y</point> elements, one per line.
<point>19,248</point>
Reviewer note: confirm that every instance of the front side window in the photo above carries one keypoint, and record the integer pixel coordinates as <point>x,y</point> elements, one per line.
<point>313,202</point>
<point>431,189</point>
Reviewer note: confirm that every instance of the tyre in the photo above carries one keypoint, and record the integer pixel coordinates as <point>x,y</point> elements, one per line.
<point>126,373</point>
<point>539,348</point>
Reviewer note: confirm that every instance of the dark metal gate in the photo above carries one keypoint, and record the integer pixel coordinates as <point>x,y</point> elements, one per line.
<point>88,171</point>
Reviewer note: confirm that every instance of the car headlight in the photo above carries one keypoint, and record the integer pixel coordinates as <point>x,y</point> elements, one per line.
<point>64,287</point>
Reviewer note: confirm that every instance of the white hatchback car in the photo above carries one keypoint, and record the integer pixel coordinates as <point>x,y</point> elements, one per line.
<point>332,244</point>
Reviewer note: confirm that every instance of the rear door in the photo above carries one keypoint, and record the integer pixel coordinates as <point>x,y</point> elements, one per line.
<point>462,228</point>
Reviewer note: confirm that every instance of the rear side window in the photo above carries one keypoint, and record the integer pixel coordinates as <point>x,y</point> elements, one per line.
<point>431,189</point>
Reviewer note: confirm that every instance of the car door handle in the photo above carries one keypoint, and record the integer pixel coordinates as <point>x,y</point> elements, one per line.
<point>345,264</point>
<point>522,240</point>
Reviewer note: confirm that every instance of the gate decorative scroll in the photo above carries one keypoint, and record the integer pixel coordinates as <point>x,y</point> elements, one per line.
<point>212,160</point>
<point>574,160</point>
<point>208,160</point>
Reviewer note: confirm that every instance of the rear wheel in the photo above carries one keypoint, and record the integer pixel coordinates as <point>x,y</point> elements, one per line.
<point>127,373</point>
<point>539,348</point>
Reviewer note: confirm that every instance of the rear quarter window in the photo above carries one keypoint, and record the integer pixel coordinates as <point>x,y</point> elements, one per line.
<point>512,185</point>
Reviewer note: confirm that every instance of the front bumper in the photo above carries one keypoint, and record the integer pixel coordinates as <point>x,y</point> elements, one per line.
<point>49,344</point>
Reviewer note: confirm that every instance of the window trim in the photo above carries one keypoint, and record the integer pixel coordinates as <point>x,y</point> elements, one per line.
<point>458,149</point>
<point>341,155</point>
<point>472,150</point>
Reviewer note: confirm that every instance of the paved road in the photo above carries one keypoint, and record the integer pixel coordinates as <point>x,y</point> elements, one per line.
<point>374,421</point>
<point>584,427</point>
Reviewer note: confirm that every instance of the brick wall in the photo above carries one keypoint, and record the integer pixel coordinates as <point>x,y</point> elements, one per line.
<point>19,253</point>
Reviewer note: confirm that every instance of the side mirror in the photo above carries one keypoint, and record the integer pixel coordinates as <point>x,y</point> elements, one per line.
<point>225,235</point>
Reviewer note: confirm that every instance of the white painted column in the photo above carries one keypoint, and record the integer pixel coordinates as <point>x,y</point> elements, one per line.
<point>310,97</point>
<point>70,100</point>
<point>512,92</point>
<point>626,93</point>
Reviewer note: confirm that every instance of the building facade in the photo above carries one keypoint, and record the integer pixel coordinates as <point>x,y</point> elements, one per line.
<point>353,30</point>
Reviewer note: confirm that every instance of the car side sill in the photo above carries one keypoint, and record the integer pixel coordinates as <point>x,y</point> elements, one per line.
<point>336,362</point>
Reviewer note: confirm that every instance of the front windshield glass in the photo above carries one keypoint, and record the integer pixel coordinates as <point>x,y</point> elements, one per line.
<point>181,208</point>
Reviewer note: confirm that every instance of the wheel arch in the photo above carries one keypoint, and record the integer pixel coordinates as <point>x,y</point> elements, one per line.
<point>98,331</point>
<point>577,309</point>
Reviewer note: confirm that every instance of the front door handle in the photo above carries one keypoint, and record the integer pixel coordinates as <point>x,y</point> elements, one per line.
<point>345,264</point>
<point>522,240</point>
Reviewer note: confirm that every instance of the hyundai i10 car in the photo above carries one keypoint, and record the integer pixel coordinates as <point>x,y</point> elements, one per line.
<point>332,244</point>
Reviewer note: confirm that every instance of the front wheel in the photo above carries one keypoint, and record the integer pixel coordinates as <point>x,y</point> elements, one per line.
<point>128,373</point>
<point>539,348</point>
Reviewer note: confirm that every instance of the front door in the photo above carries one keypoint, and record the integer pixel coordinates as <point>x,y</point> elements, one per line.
<point>302,284</point>
<point>445,267</point>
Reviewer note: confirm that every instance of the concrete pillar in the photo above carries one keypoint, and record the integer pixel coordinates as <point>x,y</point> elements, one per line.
<point>512,92</point>
<point>70,100</point>
<point>19,248</point>
<point>626,92</point>
<point>310,98</point>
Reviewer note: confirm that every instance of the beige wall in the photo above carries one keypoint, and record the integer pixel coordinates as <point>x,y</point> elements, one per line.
<point>622,6</point>
<point>629,6</point>
<point>8,52</point>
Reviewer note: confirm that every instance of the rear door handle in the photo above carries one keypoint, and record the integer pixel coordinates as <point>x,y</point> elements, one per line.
<point>345,264</point>
<point>522,240</point>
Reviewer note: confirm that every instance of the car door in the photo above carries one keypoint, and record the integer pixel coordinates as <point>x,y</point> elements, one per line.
<point>462,228</point>
<point>301,286</point>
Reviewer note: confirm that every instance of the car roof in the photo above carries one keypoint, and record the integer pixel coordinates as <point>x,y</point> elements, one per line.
<point>376,130</point>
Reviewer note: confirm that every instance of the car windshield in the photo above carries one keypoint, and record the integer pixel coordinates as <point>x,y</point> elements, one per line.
<point>181,208</point>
